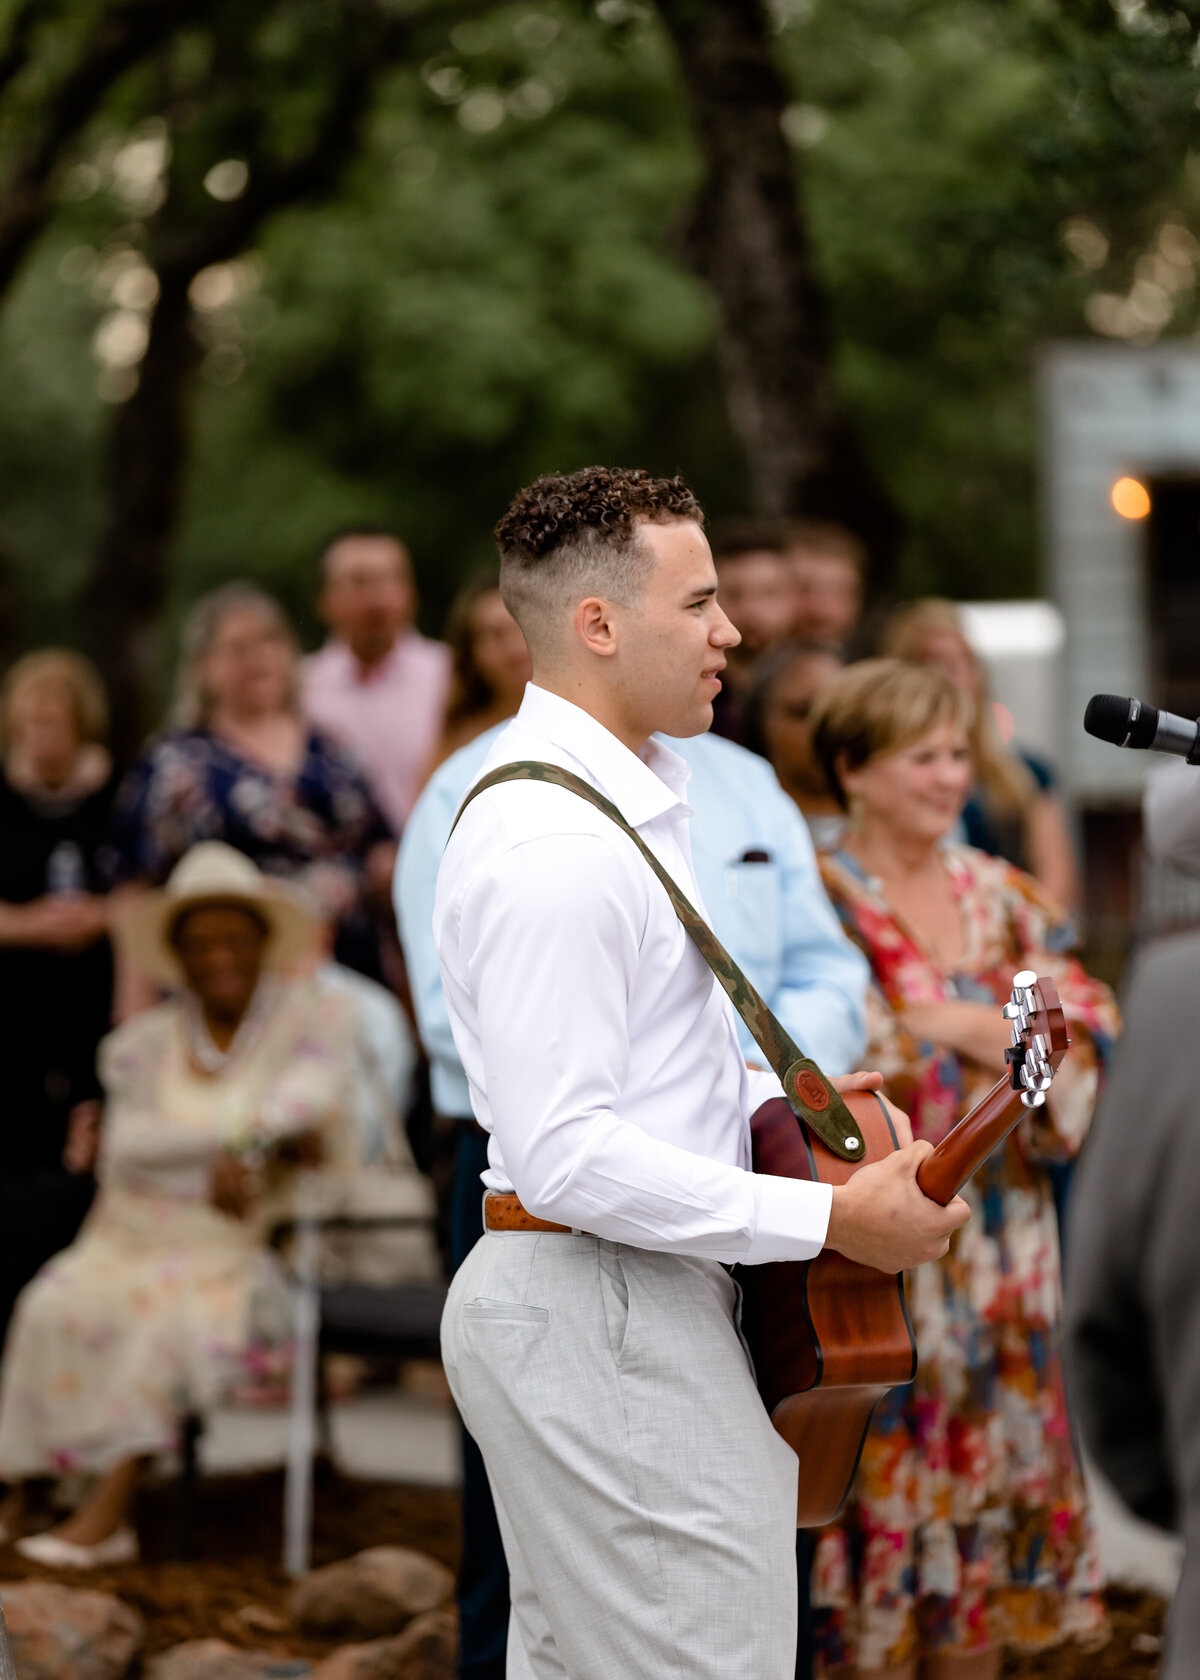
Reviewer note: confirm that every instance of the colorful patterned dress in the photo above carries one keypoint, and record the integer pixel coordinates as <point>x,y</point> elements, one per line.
<point>156,1307</point>
<point>968,1524</point>
<point>315,827</point>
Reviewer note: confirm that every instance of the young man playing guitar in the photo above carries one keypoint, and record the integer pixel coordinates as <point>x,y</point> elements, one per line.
<point>648,1508</point>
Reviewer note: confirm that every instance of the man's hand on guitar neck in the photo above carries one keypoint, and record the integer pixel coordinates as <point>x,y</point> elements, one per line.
<point>880,1217</point>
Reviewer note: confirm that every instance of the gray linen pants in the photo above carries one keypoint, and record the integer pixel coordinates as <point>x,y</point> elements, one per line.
<point>648,1509</point>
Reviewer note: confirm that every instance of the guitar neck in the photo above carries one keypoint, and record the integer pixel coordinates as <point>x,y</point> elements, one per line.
<point>961,1152</point>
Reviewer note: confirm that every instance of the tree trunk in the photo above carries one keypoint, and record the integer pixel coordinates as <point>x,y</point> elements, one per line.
<point>10,608</point>
<point>126,591</point>
<point>128,587</point>
<point>748,240</point>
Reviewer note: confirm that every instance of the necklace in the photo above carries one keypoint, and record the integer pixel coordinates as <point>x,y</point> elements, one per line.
<point>208,1055</point>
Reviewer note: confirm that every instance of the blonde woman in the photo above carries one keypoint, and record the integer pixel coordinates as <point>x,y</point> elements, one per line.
<point>967,1532</point>
<point>242,766</point>
<point>1012,811</point>
<point>55,961</point>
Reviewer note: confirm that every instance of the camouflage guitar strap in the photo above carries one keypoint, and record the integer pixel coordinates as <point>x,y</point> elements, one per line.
<point>809,1092</point>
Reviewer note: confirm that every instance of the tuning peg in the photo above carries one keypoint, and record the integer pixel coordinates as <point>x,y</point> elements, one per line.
<point>1012,1011</point>
<point>1033,1099</point>
<point>1025,981</point>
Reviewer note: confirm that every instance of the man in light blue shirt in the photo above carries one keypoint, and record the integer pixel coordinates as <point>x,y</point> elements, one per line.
<point>758,876</point>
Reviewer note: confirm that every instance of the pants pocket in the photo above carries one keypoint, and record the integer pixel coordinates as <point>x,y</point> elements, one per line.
<point>614,1296</point>
<point>507,1312</point>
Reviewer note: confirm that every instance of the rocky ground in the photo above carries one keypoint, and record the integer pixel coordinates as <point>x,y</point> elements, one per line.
<point>235,1591</point>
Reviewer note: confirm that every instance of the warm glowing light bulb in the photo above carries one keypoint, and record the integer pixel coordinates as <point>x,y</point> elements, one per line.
<point>1131,498</point>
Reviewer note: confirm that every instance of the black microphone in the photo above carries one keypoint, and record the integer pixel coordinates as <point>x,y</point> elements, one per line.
<point>1132,723</point>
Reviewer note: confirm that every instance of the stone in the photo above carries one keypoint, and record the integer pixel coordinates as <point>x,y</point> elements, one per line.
<point>254,1619</point>
<point>426,1650</point>
<point>69,1633</point>
<point>215,1659</point>
<point>371,1594</point>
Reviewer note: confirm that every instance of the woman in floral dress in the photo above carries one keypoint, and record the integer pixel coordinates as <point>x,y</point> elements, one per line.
<point>967,1531</point>
<point>242,766</point>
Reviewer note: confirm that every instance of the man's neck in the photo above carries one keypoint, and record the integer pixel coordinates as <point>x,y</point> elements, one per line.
<point>597,704</point>
<point>369,655</point>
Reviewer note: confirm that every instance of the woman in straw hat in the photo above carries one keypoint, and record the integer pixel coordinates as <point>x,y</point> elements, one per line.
<point>212,1100</point>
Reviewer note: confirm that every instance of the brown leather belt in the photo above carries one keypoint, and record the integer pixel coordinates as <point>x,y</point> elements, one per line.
<point>505,1213</point>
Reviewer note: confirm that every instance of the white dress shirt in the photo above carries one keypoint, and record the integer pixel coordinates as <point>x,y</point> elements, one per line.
<point>601,1054</point>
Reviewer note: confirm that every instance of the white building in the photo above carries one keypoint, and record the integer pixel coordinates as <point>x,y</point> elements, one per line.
<point>1120,483</point>
<point>1120,478</point>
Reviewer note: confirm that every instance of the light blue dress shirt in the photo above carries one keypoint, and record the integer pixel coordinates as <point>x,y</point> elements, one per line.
<point>771,914</point>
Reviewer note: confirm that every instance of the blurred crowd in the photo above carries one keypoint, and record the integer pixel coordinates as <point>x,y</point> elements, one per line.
<point>207,1000</point>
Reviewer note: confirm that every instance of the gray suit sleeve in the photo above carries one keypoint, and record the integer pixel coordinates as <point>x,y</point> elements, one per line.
<point>1114,1331</point>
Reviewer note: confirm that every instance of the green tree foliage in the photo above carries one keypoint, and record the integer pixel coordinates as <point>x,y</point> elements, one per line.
<point>979,174</point>
<point>496,287</point>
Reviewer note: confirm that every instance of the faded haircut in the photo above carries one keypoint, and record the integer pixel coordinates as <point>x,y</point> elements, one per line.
<point>565,537</point>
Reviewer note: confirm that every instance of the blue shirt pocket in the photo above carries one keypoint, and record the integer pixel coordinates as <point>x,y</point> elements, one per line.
<point>749,922</point>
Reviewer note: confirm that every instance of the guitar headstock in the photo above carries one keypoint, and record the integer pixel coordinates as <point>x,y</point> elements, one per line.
<point>1039,1036</point>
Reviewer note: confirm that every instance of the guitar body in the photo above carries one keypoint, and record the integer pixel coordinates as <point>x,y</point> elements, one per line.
<point>829,1337</point>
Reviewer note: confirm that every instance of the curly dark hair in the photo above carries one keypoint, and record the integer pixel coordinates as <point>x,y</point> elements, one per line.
<point>575,534</point>
<point>604,501</point>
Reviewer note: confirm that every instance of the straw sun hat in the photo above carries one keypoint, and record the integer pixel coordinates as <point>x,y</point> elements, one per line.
<point>214,873</point>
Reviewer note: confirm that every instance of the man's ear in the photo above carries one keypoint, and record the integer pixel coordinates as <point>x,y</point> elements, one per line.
<point>594,623</point>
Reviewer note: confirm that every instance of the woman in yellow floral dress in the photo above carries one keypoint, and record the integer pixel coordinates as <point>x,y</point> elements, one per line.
<point>967,1531</point>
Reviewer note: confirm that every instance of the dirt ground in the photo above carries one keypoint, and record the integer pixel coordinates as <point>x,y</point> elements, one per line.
<point>235,1537</point>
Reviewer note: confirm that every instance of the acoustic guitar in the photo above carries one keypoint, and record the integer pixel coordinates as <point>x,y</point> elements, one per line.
<point>830,1337</point>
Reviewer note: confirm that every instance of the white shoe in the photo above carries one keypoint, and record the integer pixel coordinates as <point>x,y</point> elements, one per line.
<point>120,1547</point>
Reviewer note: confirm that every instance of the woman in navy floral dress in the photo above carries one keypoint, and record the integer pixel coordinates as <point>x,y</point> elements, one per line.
<point>244,767</point>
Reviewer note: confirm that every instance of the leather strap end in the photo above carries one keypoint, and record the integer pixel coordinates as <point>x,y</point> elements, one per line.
<point>822,1109</point>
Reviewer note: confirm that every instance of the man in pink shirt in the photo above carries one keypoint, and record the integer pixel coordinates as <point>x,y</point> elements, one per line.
<point>377,685</point>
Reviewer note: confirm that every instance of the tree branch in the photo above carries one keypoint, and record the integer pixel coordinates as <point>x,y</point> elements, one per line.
<point>230,227</point>
<point>15,54</point>
<point>127,32</point>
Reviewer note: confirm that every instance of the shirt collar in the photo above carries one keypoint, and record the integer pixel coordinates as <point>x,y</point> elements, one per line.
<point>642,785</point>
